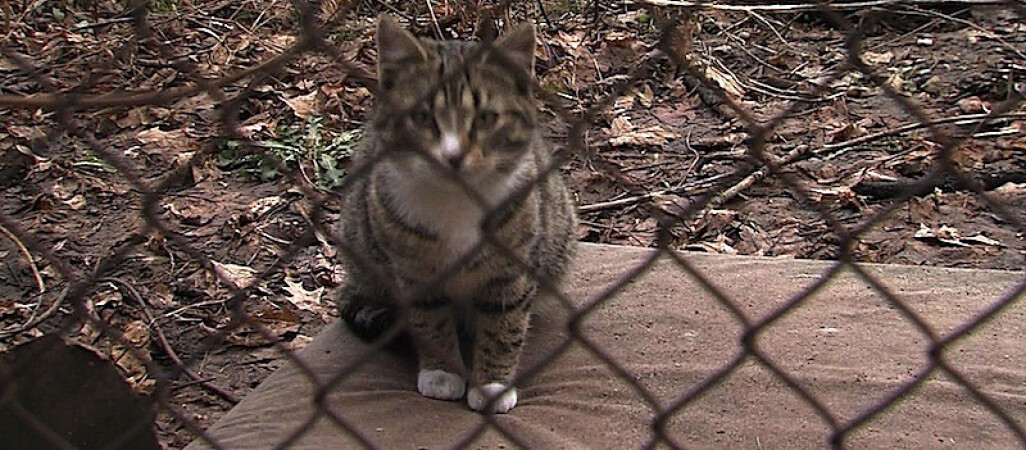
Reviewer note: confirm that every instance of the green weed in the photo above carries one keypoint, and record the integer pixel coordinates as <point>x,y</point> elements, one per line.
<point>304,146</point>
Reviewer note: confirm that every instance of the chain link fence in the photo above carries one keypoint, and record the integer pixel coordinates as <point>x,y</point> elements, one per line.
<point>60,115</point>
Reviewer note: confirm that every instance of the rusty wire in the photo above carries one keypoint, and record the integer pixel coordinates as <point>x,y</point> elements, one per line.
<point>312,40</point>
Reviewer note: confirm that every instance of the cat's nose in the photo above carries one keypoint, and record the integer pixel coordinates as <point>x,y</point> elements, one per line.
<point>452,150</point>
<point>455,160</point>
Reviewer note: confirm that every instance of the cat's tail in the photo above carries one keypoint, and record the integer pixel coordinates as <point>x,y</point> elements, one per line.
<point>368,320</point>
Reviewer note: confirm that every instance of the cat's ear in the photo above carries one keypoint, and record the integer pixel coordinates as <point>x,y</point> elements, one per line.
<point>397,48</point>
<point>517,46</point>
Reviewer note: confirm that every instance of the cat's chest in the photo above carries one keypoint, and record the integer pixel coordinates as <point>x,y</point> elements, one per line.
<point>455,219</point>
<point>448,212</point>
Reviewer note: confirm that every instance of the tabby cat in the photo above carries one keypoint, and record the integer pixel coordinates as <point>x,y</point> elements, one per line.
<point>451,200</point>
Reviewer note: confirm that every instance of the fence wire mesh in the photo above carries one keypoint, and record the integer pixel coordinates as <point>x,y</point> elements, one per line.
<point>63,110</point>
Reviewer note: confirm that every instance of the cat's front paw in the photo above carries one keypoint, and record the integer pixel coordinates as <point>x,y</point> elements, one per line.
<point>479,396</point>
<point>441,385</point>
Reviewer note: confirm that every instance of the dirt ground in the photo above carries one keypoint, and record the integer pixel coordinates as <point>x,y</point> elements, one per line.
<point>845,151</point>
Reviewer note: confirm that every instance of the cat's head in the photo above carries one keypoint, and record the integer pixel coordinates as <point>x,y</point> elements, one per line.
<point>456,108</point>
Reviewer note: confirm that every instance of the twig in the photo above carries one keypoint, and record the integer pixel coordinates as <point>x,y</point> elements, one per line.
<point>627,201</point>
<point>769,25</point>
<point>129,291</point>
<point>544,14</point>
<point>840,148</point>
<point>717,201</point>
<point>193,306</point>
<point>102,23</point>
<point>808,7</point>
<point>38,319</point>
<point>752,178</point>
<point>731,192</point>
<point>698,156</point>
<point>434,20</point>
<point>28,256</point>
<point>395,10</point>
<point>165,96</point>
<point>970,24</point>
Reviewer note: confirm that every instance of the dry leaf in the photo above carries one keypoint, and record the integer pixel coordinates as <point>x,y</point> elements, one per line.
<point>974,105</point>
<point>304,299</point>
<point>897,82</point>
<point>725,81</point>
<point>137,335</point>
<point>237,276</point>
<point>672,205</point>
<point>717,220</point>
<point>27,133</point>
<point>297,343</point>
<point>261,207</point>
<point>279,322</point>
<point>754,240</point>
<point>305,106</point>
<point>77,202</point>
<point>878,58</point>
<point>189,214</point>
<point>624,133</point>
<point>279,42</point>
<point>719,246</point>
<point>155,140</point>
<point>951,236</point>
<point>840,195</point>
<point>568,40</point>
<point>1011,188</point>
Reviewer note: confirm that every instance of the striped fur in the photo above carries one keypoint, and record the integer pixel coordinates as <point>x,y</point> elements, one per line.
<point>452,195</point>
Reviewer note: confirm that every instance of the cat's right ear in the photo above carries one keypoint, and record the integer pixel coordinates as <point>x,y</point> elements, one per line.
<point>397,49</point>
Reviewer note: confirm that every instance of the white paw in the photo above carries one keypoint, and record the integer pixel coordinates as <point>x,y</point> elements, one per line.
<point>441,385</point>
<point>478,397</point>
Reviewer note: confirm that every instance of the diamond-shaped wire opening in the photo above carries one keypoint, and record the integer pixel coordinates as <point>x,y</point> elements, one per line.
<point>756,352</point>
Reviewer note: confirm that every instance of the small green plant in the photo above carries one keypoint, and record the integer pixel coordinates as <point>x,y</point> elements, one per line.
<point>560,7</point>
<point>347,31</point>
<point>304,146</point>
<point>163,6</point>
<point>93,163</point>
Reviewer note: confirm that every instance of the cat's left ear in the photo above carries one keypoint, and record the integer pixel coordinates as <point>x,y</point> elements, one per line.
<point>517,46</point>
<point>397,50</point>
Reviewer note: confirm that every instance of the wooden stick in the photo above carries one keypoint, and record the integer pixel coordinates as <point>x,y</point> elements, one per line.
<point>130,291</point>
<point>839,148</point>
<point>28,256</point>
<point>807,7</point>
<point>628,201</point>
<point>720,199</point>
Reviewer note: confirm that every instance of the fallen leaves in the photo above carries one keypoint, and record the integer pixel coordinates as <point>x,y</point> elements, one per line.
<point>304,106</point>
<point>260,208</point>
<point>237,276</point>
<point>273,312</point>
<point>841,196</point>
<point>672,205</point>
<point>278,323</point>
<point>308,300</point>
<point>133,357</point>
<point>951,236</point>
<point>726,81</point>
<point>158,141</point>
<point>623,133</point>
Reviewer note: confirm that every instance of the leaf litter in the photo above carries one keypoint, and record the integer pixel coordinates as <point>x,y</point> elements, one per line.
<point>667,142</point>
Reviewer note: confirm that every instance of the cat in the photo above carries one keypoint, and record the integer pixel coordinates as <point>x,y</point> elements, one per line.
<point>452,190</point>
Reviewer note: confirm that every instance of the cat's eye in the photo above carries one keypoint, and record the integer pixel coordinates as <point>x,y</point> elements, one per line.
<point>421,117</point>
<point>487,119</point>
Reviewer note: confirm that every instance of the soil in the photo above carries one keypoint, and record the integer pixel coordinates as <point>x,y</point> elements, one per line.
<point>155,203</point>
